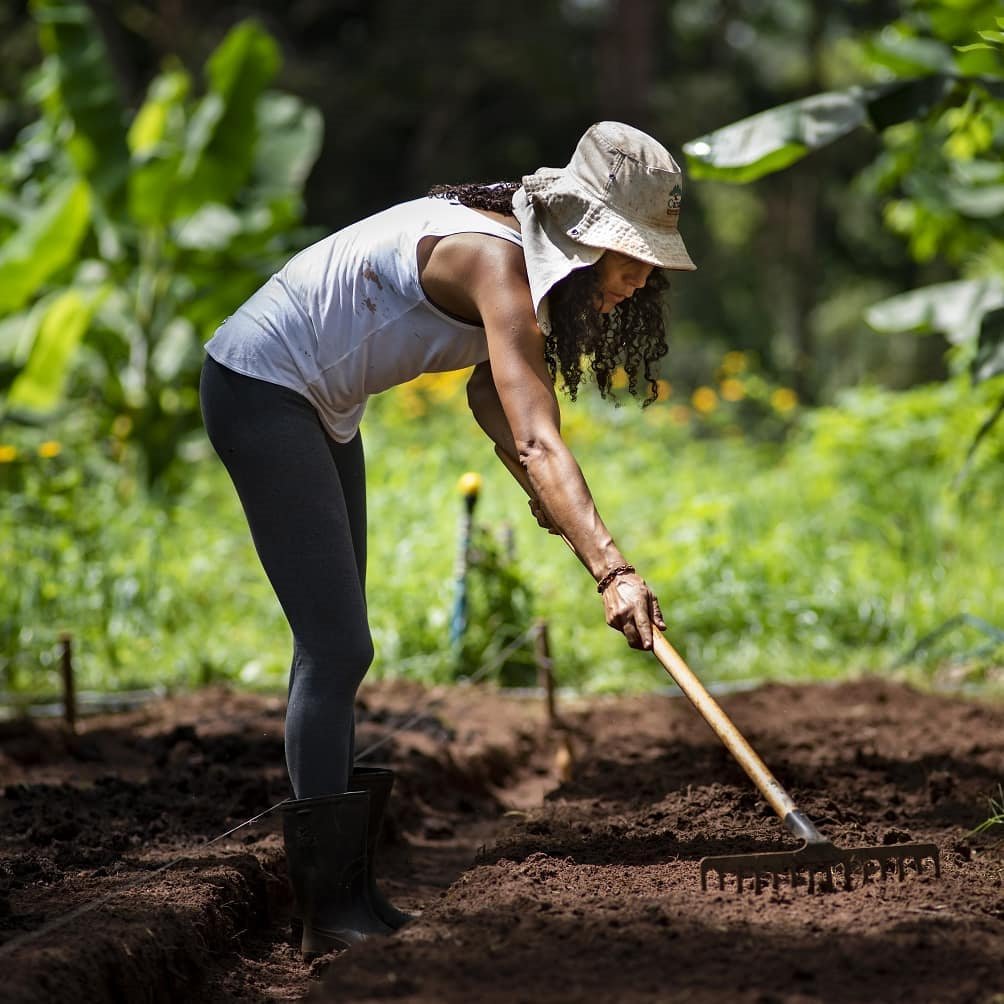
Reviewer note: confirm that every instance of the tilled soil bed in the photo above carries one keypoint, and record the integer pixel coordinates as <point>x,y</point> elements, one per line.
<point>545,861</point>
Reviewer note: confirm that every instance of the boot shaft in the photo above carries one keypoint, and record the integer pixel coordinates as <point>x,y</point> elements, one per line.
<point>377,782</point>
<point>326,847</point>
<point>326,854</point>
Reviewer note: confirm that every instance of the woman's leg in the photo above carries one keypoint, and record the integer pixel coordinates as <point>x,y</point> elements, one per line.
<point>289,476</point>
<point>351,466</point>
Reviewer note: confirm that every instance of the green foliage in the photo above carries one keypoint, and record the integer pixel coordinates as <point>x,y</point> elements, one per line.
<point>79,93</point>
<point>832,550</point>
<point>65,318</point>
<point>499,611</point>
<point>996,813</point>
<point>128,241</point>
<point>150,597</point>
<point>47,240</point>
<point>942,134</point>
<point>941,169</point>
<point>784,543</point>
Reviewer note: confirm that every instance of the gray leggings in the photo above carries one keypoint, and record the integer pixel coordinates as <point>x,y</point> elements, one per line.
<point>304,496</point>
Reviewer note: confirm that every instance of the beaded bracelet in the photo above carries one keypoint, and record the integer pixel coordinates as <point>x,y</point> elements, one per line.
<point>611,575</point>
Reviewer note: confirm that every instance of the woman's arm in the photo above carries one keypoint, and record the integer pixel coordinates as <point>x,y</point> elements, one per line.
<point>484,403</point>
<point>492,273</point>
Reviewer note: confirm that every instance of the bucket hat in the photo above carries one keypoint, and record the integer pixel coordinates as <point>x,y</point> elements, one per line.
<point>621,191</point>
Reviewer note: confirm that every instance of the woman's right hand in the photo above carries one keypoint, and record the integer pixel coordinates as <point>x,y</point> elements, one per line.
<point>632,608</point>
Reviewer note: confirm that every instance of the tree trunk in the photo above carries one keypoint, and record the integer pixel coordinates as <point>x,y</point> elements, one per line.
<point>626,59</point>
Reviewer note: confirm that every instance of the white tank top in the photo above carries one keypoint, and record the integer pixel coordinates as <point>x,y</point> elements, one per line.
<point>347,317</point>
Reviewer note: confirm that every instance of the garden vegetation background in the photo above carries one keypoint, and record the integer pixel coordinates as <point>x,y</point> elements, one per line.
<point>812,495</point>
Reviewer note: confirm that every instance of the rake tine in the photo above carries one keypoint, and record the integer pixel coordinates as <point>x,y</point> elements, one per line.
<point>819,861</point>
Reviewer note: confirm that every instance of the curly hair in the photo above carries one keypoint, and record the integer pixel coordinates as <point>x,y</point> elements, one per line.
<point>632,335</point>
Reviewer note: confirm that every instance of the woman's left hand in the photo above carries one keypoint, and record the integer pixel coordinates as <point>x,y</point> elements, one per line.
<point>541,517</point>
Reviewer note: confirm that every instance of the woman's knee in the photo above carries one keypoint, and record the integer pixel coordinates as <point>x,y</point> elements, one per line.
<point>340,661</point>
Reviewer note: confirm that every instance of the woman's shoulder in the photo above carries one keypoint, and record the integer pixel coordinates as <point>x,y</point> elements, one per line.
<point>447,216</point>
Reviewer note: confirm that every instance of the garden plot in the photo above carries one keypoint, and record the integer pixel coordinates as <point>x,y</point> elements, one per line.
<point>546,861</point>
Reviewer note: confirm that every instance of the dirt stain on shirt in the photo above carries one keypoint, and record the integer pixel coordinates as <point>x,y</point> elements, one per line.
<point>369,305</point>
<point>368,273</point>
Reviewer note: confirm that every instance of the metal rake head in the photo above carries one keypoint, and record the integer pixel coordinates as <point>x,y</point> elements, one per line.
<point>819,858</point>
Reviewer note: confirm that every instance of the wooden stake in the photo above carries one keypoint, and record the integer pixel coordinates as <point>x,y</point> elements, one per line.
<point>69,690</point>
<point>545,670</point>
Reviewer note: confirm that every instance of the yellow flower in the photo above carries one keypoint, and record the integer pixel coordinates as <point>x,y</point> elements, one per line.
<point>50,448</point>
<point>619,378</point>
<point>704,400</point>
<point>469,484</point>
<point>734,362</point>
<point>784,399</point>
<point>732,389</point>
<point>7,453</point>
<point>679,414</point>
<point>665,389</point>
<point>443,387</point>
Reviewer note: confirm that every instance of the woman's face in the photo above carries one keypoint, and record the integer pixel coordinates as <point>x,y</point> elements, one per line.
<point>619,277</point>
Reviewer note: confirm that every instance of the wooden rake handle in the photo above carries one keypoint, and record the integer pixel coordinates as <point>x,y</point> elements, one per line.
<point>710,710</point>
<point>735,742</point>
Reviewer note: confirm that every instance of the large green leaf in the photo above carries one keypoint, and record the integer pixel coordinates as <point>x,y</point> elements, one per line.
<point>771,140</point>
<point>17,335</point>
<point>85,93</point>
<point>161,118</point>
<point>222,134</point>
<point>953,308</point>
<point>211,228</point>
<point>47,240</point>
<point>40,384</point>
<point>293,132</point>
<point>908,55</point>
<point>156,140</point>
<point>774,139</point>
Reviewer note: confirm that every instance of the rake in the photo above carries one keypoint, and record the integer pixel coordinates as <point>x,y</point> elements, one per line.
<point>816,856</point>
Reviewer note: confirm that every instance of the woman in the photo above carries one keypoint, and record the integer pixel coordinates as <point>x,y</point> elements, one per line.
<point>519,281</point>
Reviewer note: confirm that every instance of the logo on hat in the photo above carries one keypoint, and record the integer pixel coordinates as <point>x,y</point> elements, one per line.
<point>674,201</point>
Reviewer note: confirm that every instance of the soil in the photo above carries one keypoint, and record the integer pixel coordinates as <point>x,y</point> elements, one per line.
<point>545,860</point>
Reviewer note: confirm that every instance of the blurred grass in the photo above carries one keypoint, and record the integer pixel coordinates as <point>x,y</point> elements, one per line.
<point>784,544</point>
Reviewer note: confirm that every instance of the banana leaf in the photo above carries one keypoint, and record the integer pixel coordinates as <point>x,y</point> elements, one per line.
<point>84,91</point>
<point>778,137</point>
<point>48,239</point>
<point>955,309</point>
<point>39,386</point>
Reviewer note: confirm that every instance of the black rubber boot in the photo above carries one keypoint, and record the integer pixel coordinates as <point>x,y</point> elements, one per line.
<point>326,841</point>
<point>378,781</point>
